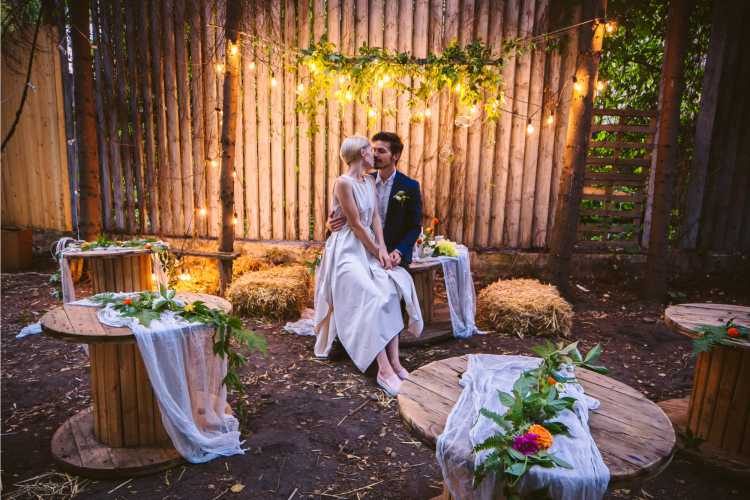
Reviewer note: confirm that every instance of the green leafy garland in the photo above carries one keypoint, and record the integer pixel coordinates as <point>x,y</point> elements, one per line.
<point>471,72</point>
<point>726,334</point>
<point>148,306</point>
<point>528,426</point>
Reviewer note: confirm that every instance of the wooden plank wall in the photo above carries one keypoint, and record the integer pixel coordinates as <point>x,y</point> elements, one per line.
<point>35,188</point>
<point>490,183</point>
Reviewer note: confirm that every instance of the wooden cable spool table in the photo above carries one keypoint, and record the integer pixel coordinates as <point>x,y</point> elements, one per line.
<point>718,409</point>
<point>634,436</point>
<point>121,434</point>
<point>437,324</point>
<point>122,271</point>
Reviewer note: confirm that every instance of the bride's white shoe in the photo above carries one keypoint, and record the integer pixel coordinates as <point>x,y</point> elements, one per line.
<point>402,374</point>
<point>390,388</point>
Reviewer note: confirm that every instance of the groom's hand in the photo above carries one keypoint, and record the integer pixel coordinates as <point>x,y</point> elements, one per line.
<point>333,224</point>
<point>395,257</point>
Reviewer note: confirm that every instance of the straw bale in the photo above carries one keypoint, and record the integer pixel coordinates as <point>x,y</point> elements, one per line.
<point>524,307</point>
<point>276,293</point>
<point>204,272</point>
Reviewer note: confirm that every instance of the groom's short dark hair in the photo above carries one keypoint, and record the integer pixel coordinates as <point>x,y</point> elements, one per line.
<point>393,140</point>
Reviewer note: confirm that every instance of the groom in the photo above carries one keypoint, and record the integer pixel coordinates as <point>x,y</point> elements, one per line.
<point>399,200</point>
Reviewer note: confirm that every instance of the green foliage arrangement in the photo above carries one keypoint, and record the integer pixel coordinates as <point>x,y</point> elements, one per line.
<point>528,426</point>
<point>472,72</point>
<point>148,306</point>
<point>726,334</point>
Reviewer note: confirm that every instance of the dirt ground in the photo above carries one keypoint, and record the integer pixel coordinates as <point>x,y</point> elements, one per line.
<point>320,429</point>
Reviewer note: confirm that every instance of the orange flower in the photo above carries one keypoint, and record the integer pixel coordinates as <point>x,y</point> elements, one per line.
<point>543,436</point>
<point>435,221</point>
<point>127,301</point>
<point>733,331</point>
<point>551,380</point>
<point>428,230</point>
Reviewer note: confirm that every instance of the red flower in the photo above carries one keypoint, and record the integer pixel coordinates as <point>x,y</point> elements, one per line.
<point>127,301</point>
<point>733,332</point>
<point>435,221</point>
<point>419,241</point>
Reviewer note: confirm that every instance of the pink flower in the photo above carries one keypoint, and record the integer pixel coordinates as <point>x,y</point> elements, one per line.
<point>526,443</point>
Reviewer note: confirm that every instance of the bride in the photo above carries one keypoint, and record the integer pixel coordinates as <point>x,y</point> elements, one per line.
<point>358,290</point>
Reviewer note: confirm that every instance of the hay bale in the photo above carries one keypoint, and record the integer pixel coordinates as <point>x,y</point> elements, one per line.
<point>204,272</point>
<point>524,307</point>
<point>275,293</point>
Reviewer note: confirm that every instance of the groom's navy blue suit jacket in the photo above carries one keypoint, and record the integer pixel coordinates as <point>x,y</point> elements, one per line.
<point>403,221</point>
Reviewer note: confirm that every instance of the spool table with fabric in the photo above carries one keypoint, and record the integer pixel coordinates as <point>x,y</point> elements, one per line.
<point>437,323</point>
<point>634,436</point>
<point>121,434</point>
<point>718,409</point>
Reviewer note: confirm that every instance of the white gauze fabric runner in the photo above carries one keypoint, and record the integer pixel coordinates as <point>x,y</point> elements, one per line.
<point>187,380</point>
<point>464,429</point>
<point>460,290</point>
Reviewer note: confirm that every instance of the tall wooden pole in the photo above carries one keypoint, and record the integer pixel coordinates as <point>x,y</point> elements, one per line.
<point>670,95</point>
<point>573,171</point>
<point>235,11</point>
<point>88,153</point>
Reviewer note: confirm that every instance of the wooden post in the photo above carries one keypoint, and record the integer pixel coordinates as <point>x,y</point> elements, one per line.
<point>91,215</point>
<point>228,133</point>
<point>672,84</point>
<point>576,146</point>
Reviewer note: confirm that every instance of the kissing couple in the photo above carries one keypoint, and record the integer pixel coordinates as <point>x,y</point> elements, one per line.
<point>363,279</point>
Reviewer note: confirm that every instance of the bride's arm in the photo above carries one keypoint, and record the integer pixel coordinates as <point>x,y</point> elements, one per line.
<point>377,228</point>
<point>345,195</point>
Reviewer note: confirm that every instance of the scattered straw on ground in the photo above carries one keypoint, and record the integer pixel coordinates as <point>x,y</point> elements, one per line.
<point>204,272</point>
<point>49,485</point>
<point>524,307</point>
<point>275,293</point>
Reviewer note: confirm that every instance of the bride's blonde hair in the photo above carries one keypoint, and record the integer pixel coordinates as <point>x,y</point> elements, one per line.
<point>351,147</point>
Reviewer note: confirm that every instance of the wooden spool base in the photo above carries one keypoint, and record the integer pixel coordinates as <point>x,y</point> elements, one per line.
<point>677,410</point>
<point>438,330</point>
<point>75,449</point>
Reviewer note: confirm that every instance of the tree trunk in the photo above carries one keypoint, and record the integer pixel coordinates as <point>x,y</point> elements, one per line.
<point>565,230</point>
<point>228,136</point>
<point>88,152</point>
<point>672,84</point>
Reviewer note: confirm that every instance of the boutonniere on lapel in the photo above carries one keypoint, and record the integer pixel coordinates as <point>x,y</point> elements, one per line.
<point>401,197</point>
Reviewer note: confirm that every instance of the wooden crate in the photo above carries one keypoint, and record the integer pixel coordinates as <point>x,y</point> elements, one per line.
<point>16,244</point>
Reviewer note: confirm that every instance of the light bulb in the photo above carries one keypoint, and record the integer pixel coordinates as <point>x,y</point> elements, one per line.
<point>529,128</point>
<point>219,67</point>
<point>577,86</point>
<point>550,119</point>
<point>234,175</point>
<point>233,49</point>
<point>202,212</point>
<point>185,277</point>
<point>473,110</point>
<point>372,113</point>
<point>251,66</point>
<point>343,79</point>
<point>457,88</point>
<point>300,88</point>
<point>313,67</point>
<point>235,220</point>
<point>610,26</point>
<point>214,163</point>
<point>274,82</point>
<point>348,96</point>
<point>600,85</point>
<point>428,113</point>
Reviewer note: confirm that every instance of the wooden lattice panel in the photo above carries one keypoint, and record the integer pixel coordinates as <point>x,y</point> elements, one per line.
<point>616,183</point>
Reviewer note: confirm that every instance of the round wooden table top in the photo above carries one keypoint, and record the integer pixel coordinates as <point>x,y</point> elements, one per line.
<point>124,252</point>
<point>634,436</point>
<point>688,318</point>
<point>80,324</point>
<point>420,266</point>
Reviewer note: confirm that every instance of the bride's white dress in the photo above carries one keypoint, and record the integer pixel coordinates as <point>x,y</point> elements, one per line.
<point>356,299</point>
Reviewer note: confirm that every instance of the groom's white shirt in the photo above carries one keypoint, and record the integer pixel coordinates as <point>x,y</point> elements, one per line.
<point>383,190</point>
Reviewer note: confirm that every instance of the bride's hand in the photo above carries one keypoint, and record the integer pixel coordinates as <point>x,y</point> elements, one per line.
<point>384,258</point>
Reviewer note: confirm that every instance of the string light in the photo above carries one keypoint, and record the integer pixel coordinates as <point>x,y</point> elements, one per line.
<point>274,82</point>
<point>428,113</point>
<point>600,85</point>
<point>348,95</point>
<point>529,128</point>
<point>473,110</point>
<point>300,88</point>
<point>251,65</point>
<point>551,119</point>
<point>219,67</point>
<point>343,79</point>
<point>372,113</point>
<point>214,163</point>
<point>233,49</point>
<point>577,86</point>
<point>457,88</point>
<point>203,212</point>
<point>235,220</point>
<point>610,26</point>
<point>185,277</point>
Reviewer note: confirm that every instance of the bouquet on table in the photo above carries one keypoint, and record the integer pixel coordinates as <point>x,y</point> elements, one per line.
<point>430,244</point>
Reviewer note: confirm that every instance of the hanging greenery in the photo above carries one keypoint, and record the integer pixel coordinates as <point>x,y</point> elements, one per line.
<point>471,73</point>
